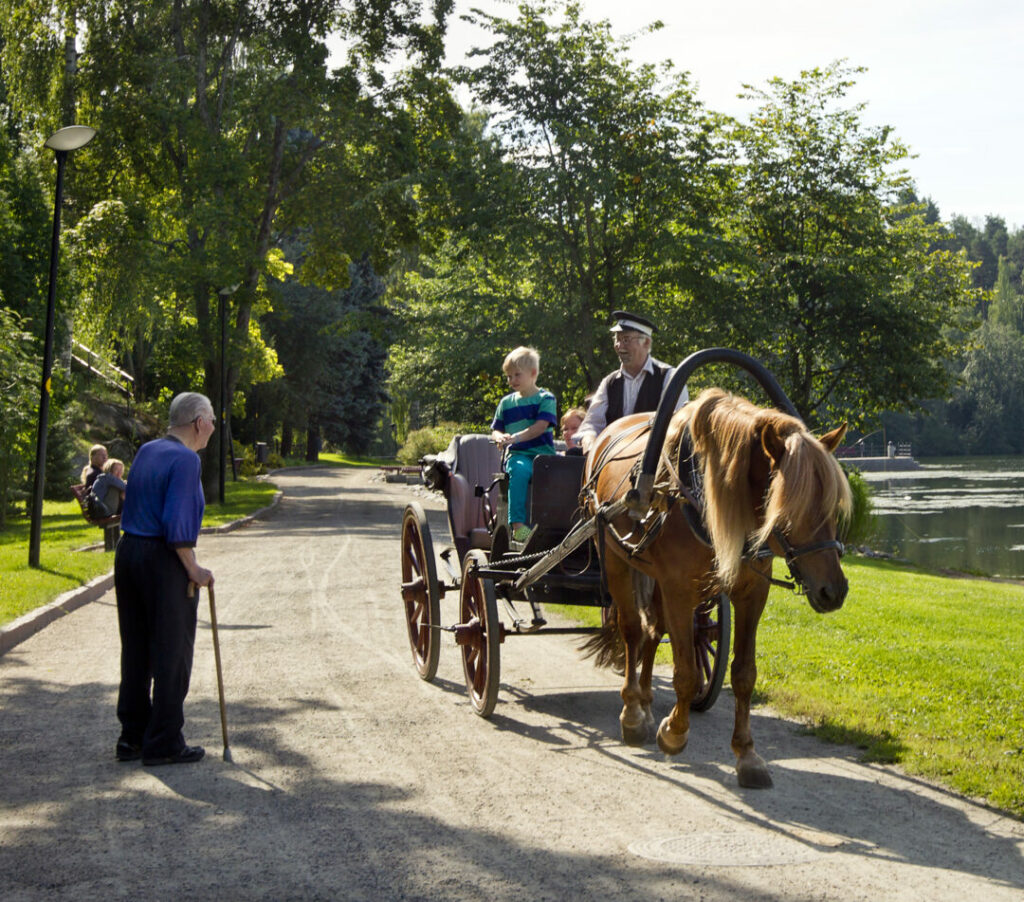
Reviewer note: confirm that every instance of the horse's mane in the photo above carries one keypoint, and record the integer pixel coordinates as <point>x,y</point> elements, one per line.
<point>725,432</point>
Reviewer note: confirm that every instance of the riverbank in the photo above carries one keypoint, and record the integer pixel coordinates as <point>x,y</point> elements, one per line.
<point>880,464</point>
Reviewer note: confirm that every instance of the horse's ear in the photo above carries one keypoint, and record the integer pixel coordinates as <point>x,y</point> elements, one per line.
<point>832,439</point>
<point>773,444</point>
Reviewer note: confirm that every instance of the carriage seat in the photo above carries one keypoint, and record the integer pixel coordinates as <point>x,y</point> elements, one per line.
<point>555,490</point>
<point>475,463</point>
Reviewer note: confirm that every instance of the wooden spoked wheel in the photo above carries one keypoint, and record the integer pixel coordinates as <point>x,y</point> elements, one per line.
<point>421,593</point>
<point>711,635</point>
<point>479,635</point>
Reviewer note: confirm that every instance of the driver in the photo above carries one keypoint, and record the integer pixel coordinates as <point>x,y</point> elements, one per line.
<point>635,387</point>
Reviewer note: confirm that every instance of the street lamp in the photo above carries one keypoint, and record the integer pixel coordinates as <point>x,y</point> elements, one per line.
<point>62,142</point>
<point>223,294</point>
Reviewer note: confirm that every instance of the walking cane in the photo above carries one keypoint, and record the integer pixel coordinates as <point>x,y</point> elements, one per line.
<point>220,675</point>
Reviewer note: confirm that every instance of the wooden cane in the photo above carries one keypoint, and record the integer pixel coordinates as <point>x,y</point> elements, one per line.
<point>220,675</point>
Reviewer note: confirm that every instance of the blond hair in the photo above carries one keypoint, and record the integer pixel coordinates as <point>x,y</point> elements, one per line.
<point>111,463</point>
<point>521,358</point>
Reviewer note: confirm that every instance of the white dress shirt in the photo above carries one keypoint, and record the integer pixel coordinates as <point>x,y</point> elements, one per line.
<point>597,413</point>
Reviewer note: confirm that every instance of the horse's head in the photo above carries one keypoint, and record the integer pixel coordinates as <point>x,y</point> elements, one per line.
<point>808,492</point>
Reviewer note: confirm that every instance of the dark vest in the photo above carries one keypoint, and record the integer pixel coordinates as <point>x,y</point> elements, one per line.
<point>647,398</point>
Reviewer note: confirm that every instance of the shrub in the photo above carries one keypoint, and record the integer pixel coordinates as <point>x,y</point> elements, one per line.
<point>432,439</point>
<point>861,525</point>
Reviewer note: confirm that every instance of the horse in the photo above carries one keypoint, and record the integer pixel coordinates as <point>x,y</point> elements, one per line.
<point>770,488</point>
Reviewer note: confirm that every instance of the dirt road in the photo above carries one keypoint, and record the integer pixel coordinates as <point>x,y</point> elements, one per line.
<point>355,780</point>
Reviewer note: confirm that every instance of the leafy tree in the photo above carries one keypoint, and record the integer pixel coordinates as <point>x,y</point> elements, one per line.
<point>842,295</point>
<point>19,379</point>
<point>221,124</point>
<point>583,182</point>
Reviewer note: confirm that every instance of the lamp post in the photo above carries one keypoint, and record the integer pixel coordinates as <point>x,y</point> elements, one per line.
<point>62,142</point>
<point>223,294</point>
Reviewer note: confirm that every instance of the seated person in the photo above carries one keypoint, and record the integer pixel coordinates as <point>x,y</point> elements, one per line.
<point>90,472</point>
<point>525,421</point>
<point>571,422</point>
<point>108,490</point>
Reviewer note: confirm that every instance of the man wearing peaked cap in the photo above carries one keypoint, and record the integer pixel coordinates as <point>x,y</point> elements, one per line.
<point>636,386</point>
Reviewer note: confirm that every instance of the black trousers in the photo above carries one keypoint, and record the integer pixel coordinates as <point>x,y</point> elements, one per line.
<point>157,621</point>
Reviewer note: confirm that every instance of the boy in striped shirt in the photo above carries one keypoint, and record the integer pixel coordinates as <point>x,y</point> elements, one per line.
<point>525,419</point>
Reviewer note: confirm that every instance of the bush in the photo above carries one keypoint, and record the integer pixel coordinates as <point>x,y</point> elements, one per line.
<point>432,439</point>
<point>859,529</point>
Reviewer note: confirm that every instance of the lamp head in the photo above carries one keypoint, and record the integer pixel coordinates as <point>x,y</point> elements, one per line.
<point>71,137</point>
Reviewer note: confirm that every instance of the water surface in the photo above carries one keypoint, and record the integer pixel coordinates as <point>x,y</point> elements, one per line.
<point>961,513</point>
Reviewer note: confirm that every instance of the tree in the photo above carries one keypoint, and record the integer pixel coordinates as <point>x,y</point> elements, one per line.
<point>581,183</point>
<point>842,295</point>
<point>221,125</point>
<point>19,376</point>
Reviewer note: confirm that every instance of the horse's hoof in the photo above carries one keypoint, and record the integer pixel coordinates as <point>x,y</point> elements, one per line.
<point>634,733</point>
<point>753,773</point>
<point>671,743</point>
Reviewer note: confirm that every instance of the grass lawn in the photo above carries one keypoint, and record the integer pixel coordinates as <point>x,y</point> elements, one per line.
<point>919,670</point>
<point>64,567</point>
<point>336,459</point>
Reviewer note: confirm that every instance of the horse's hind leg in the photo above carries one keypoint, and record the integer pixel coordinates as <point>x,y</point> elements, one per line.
<point>751,770</point>
<point>632,719</point>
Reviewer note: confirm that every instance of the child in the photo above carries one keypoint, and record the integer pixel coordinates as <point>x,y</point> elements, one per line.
<point>525,419</point>
<point>108,490</point>
<point>571,421</point>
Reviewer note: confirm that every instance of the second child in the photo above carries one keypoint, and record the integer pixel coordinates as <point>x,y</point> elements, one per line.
<point>525,420</point>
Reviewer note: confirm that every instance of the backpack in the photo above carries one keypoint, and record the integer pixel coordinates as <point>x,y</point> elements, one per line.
<point>96,508</point>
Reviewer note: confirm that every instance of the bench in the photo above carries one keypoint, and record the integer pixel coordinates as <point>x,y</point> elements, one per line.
<point>111,526</point>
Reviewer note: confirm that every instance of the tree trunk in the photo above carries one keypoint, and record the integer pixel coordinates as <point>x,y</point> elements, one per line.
<point>313,444</point>
<point>286,439</point>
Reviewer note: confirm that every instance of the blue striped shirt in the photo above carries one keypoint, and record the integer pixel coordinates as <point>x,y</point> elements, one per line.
<point>516,413</point>
<point>164,498</point>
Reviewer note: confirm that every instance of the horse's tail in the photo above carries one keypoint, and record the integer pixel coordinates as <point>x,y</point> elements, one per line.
<point>606,647</point>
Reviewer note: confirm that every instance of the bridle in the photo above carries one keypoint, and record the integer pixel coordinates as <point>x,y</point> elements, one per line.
<point>791,553</point>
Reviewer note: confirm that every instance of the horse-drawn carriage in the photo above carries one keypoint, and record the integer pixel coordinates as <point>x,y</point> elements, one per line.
<point>654,528</point>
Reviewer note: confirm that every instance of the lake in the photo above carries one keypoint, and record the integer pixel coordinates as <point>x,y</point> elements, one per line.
<point>962,513</point>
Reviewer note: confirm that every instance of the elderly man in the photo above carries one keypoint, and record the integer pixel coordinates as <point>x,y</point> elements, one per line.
<point>154,565</point>
<point>635,387</point>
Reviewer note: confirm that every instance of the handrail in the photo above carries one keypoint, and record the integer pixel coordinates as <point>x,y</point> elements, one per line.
<point>639,497</point>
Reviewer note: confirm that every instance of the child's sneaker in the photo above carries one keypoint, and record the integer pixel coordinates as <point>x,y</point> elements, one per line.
<point>521,533</point>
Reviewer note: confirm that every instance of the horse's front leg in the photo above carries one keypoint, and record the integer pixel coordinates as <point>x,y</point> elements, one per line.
<point>748,604</point>
<point>632,719</point>
<point>654,629</point>
<point>674,732</point>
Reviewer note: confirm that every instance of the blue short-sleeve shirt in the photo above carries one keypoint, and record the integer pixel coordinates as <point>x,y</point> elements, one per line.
<point>516,413</point>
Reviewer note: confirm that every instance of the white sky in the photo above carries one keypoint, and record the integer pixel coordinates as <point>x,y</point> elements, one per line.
<point>948,75</point>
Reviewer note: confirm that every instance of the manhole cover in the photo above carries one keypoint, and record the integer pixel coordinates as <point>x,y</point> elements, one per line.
<point>733,849</point>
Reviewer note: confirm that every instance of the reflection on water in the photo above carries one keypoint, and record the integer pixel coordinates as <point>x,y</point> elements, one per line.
<point>964,513</point>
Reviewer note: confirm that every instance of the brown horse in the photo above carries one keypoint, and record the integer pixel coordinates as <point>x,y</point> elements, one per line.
<point>768,484</point>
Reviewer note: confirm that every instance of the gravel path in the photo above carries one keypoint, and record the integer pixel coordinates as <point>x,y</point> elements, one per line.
<point>353,779</point>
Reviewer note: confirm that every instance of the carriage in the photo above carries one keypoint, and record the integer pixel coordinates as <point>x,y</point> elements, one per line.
<point>503,586</point>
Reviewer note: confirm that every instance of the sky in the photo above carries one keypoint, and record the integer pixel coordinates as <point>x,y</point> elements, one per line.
<point>947,75</point>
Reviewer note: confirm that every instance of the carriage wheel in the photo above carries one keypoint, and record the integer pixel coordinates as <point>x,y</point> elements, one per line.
<point>479,635</point>
<point>421,592</point>
<point>711,636</point>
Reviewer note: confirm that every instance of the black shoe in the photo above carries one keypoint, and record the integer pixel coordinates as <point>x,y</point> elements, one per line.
<point>187,755</point>
<point>127,751</point>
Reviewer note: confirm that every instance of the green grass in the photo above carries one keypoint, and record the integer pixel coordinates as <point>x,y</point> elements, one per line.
<point>337,459</point>
<point>916,669</point>
<point>63,566</point>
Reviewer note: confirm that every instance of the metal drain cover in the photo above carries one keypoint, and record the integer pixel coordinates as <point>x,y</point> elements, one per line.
<point>728,849</point>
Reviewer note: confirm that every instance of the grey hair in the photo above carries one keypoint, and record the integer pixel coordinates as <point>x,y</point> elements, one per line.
<point>187,406</point>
